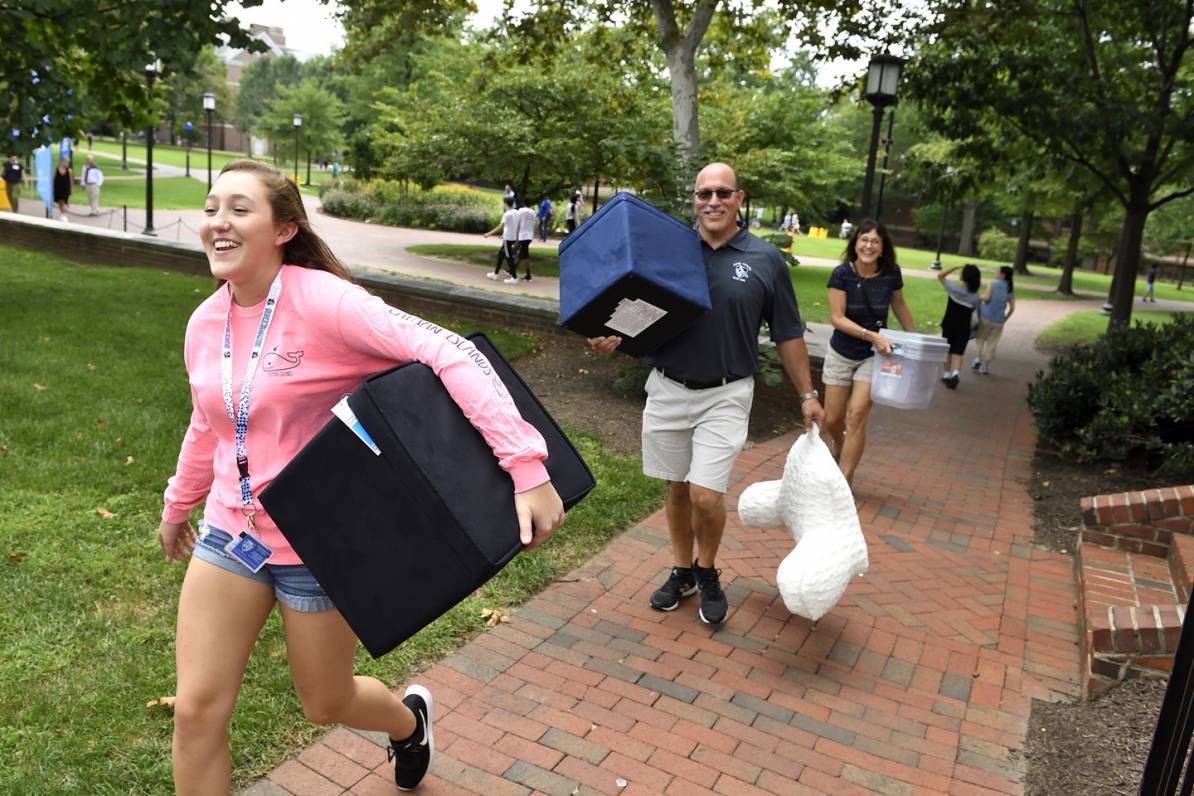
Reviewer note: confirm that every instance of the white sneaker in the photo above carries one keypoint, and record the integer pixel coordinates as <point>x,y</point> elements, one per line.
<point>974,365</point>
<point>491,275</point>
<point>984,369</point>
<point>511,280</point>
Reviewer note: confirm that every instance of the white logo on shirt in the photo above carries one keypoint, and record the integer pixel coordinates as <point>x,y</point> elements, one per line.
<point>741,272</point>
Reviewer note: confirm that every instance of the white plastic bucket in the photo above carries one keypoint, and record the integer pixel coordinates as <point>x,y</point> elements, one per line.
<point>906,379</point>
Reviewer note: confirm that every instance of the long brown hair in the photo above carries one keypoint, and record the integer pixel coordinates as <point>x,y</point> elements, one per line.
<point>305,249</point>
<point>887,258</point>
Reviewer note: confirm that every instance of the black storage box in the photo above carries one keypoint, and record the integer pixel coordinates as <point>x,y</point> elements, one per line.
<point>398,539</point>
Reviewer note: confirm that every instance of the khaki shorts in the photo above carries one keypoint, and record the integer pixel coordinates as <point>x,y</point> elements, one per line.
<point>694,435</point>
<point>841,371</point>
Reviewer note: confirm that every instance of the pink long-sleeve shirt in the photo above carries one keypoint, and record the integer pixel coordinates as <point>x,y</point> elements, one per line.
<point>326,336</point>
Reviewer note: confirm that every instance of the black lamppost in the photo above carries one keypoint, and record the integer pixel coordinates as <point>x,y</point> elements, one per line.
<point>209,105</point>
<point>882,80</point>
<point>887,142</point>
<point>124,151</point>
<point>152,70</point>
<point>298,122</point>
<point>950,171</point>
<point>186,129</point>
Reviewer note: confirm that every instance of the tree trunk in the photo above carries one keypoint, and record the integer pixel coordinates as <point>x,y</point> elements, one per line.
<point>1181,275</point>
<point>596,185</point>
<point>1020,266</point>
<point>1066,285</point>
<point>679,49</point>
<point>969,218</point>
<point>1128,263</point>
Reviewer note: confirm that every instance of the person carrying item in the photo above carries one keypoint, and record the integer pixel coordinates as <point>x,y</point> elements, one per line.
<point>509,250</point>
<point>861,290</point>
<point>999,302</point>
<point>93,178</point>
<point>14,178</point>
<point>701,387</point>
<point>959,318</point>
<point>283,291</point>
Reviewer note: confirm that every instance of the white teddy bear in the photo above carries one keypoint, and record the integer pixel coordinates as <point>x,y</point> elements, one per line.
<point>815,503</point>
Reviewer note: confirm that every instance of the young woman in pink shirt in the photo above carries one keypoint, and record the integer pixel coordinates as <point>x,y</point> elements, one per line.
<point>286,305</point>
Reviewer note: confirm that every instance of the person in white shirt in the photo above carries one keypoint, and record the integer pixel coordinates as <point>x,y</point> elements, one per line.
<point>93,178</point>
<point>509,229</point>
<point>527,218</point>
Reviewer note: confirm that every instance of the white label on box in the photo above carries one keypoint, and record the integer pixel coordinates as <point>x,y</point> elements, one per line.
<point>891,368</point>
<point>633,317</point>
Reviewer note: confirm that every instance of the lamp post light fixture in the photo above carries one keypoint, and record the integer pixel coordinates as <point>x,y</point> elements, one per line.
<point>298,123</point>
<point>209,105</point>
<point>186,129</point>
<point>152,70</point>
<point>882,81</point>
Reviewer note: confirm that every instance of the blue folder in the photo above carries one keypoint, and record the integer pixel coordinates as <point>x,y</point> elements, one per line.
<point>634,271</point>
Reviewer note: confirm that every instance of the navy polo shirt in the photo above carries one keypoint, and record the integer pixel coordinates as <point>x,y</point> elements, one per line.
<point>748,284</point>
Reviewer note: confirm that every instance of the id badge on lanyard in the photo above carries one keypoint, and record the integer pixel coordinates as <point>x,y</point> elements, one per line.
<point>246,547</point>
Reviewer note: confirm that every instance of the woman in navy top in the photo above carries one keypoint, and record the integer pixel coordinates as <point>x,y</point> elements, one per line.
<point>999,303</point>
<point>861,290</point>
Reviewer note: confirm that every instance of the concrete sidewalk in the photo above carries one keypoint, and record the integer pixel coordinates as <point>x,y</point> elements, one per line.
<point>919,681</point>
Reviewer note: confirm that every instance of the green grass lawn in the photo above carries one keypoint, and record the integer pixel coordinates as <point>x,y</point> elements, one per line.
<point>1086,327</point>
<point>1097,285</point>
<point>169,193</point>
<point>164,153</point>
<point>93,406</point>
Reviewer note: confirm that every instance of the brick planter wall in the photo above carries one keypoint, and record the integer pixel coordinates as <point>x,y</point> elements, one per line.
<point>1139,522</point>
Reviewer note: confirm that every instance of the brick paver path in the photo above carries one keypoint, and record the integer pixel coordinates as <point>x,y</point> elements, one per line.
<point>919,681</point>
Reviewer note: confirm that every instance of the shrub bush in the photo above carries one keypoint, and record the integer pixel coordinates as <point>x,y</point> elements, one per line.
<point>392,202</point>
<point>1128,394</point>
<point>994,245</point>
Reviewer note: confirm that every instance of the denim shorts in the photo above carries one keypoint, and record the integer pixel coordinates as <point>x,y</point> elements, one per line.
<point>294,585</point>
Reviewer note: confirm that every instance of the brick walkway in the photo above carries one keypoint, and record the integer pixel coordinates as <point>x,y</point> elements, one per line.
<point>920,681</point>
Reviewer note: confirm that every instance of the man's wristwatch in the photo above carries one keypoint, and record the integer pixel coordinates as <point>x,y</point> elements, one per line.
<point>810,395</point>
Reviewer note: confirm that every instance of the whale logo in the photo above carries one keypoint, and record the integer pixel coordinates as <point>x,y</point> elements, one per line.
<point>273,361</point>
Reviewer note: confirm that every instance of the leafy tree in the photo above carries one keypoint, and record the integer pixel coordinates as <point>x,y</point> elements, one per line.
<point>1170,231</point>
<point>1105,84</point>
<point>259,84</point>
<point>183,94</point>
<point>322,112</point>
<point>54,56</point>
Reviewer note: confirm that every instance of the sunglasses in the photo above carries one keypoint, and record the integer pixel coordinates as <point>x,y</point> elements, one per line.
<point>704,194</point>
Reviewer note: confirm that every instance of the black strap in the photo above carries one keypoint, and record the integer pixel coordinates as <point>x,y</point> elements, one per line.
<point>867,300</point>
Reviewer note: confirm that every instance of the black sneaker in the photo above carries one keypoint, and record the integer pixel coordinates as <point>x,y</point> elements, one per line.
<point>952,382</point>
<point>412,757</point>
<point>681,583</point>
<point>713,599</point>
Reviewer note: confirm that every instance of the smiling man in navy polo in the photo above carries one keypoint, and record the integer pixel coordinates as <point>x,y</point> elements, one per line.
<point>701,387</point>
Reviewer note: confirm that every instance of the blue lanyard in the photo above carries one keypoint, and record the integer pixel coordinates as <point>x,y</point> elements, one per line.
<point>240,415</point>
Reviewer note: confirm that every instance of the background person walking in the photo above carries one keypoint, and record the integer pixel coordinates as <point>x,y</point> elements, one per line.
<point>959,318</point>
<point>93,178</point>
<point>999,302</point>
<point>544,215</point>
<point>64,178</point>
<point>572,219</point>
<point>14,178</point>
<point>508,226</point>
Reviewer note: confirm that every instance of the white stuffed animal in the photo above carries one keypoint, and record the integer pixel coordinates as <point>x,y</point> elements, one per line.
<point>814,502</point>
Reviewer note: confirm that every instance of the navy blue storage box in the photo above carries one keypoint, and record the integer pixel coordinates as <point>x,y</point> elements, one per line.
<point>634,271</point>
